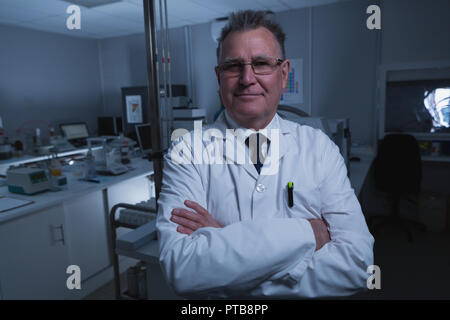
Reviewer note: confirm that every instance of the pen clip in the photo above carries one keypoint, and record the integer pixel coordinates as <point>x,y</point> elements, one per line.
<point>290,194</point>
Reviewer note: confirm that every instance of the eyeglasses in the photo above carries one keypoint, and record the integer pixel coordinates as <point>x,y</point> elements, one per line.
<point>260,66</point>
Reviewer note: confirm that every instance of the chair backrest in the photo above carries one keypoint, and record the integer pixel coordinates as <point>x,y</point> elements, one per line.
<point>398,166</point>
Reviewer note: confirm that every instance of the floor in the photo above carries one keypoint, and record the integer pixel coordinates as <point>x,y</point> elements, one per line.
<point>416,270</point>
<point>411,270</point>
<point>107,291</point>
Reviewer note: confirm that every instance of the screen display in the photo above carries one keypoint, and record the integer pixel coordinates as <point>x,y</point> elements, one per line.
<point>75,130</point>
<point>38,177</point>
<point>144,136</point>
<point>421,106</point>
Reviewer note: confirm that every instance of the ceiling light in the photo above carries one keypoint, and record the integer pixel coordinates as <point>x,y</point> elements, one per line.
<point>91,3</point>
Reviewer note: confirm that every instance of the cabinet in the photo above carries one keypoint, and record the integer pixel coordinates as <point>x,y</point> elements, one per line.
<point>36,249</point>
<point>34,256</point>
<point>87,236</point>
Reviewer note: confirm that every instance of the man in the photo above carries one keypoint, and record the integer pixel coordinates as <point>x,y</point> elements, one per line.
<point>234,229</point>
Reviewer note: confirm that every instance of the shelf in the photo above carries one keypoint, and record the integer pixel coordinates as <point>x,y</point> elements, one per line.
<point>436,158</point>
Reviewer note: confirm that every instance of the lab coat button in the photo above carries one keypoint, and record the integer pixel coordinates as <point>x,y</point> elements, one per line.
<point>260,187</point>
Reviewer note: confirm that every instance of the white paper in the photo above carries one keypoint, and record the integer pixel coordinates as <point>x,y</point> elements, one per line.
<point>134,109</point>
<point>293,93</point>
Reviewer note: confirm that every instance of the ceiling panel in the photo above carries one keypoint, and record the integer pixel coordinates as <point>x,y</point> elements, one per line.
<point>123,10</point>
<point>47,7</point>
<point>21,14</point>
<point>127,15</point>
<point>135,2</point>
<point>56,24</point>
<point>190,10</point>
<point>297,4</point>
<point>219,7</point>
<point>98,22</point>
<point>272,5</point>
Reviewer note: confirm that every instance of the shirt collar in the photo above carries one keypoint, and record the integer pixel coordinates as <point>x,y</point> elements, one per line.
<point>231,124</point>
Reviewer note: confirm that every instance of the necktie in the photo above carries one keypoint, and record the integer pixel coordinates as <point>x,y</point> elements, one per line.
<point>255,143</point>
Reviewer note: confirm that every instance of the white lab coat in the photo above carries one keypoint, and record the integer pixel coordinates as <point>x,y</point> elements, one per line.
<point>266,248</point>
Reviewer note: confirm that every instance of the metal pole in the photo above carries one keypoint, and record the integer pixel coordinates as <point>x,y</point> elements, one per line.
<point>169,71</point>
<point>187,47</point>
<point>162,42</point>
<point>153,92</point>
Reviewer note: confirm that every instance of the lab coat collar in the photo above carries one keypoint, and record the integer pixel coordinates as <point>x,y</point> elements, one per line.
<point>284,130</point>
<point>226,119</point>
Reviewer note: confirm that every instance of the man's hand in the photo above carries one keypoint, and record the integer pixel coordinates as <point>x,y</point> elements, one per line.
<point>189,221</point>
<point>320,228</point>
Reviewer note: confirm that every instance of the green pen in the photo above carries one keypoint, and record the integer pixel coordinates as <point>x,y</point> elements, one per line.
<point>290,194</point>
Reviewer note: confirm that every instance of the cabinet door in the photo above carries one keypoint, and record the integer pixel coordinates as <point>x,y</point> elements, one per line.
<point>33,256</point>
<point>87,234</point>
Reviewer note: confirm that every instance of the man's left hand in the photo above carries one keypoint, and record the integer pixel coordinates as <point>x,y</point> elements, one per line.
<point>189,221</point>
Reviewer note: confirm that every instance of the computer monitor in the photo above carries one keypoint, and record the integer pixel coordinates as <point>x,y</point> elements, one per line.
<point>144,136</point>
<point>72,131</point>
<point>109,126</point>
<point>418,107</point>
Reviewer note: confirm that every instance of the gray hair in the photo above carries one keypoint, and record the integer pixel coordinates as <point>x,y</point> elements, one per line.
<point>250,20</point>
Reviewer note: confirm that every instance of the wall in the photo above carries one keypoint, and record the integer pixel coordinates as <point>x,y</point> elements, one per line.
<point>344,66</point>
<point>123,62</point>
<point>47,77</point>
<point>415,31</point>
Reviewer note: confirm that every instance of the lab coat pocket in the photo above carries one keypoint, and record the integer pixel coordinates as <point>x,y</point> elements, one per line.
<point>305,203</point>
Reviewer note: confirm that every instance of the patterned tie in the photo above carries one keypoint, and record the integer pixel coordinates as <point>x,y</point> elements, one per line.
<point>255,143</point>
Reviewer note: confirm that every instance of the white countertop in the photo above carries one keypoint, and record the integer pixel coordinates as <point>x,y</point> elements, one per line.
<point>75,188</point>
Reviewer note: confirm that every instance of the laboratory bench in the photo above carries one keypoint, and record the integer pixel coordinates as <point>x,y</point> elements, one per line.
<point>358,170</point>
<point>40,240</point>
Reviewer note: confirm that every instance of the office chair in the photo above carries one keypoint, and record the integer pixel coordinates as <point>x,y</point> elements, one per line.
<point>398,173</point>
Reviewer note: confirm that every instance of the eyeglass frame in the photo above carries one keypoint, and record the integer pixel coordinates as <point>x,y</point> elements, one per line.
<point>242,64</point>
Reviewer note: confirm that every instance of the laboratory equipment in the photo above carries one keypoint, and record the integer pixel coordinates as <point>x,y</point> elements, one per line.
<point>114,169</point>
<point>183,118</point>
<point>188,113</point>
<point>144,135</point>
<point>89,165</point>
<point>61,144</point>
<point>340,131</point>
<point>109,126</point>
<point>27,180</point>
<point>107,157</point>
<point>5,151</point>
<point>5,147</point>
<point>318,123</point>
<point>76,133</point>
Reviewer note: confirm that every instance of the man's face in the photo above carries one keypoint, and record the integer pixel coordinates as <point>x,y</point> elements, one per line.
<point>252,100</point>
